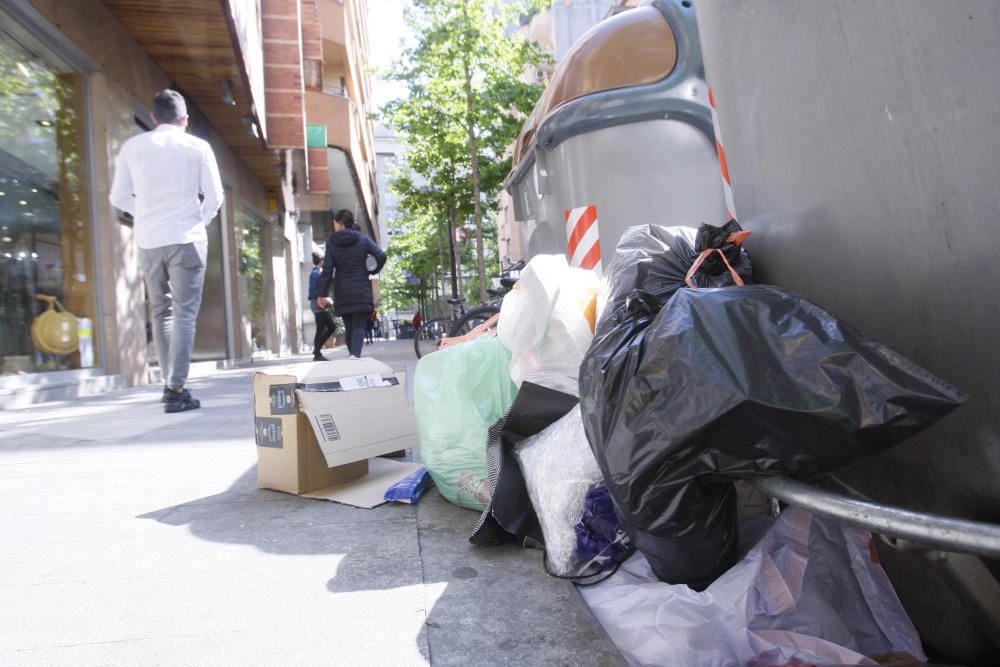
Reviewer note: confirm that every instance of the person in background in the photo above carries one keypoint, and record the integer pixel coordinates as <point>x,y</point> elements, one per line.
<point>417,320</point>
<point>158,178</point>
<point>346,265</point>
<point>370,328</point>
<point>325,326</point>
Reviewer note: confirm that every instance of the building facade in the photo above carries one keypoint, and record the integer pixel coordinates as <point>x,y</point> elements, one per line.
<point>340,134</point>
<point>77,80</point>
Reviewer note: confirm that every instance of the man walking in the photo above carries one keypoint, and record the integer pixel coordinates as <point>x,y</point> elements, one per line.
<point>158,178</point>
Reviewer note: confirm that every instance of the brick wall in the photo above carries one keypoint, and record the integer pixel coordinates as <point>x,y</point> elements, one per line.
<point>281,24</point>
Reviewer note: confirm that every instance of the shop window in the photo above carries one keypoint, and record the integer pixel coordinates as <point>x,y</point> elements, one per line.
<point>48,304</point>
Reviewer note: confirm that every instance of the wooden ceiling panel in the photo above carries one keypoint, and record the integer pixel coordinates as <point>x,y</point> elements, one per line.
<point>190,41</point>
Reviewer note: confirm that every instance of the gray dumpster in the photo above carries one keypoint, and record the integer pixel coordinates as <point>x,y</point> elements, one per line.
<point>625,127</point>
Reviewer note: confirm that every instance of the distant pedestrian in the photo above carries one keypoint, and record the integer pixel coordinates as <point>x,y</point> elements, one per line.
<point>158,178</point>
<point>346,265</point>
<point>370,328</point>
<point>325,326</point>
<point>417,320</point>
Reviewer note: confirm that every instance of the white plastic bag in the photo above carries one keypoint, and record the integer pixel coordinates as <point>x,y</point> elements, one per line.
<point>559,470</point>
<point>808,592</point>
<point>543,323</point>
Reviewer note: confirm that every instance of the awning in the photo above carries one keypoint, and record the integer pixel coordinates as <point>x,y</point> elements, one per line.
<point>200,44</point>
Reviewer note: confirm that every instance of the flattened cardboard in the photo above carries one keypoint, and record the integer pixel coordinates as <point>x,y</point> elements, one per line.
<point>354,427</point>
<point>359,424</point>
<point>368,491</point>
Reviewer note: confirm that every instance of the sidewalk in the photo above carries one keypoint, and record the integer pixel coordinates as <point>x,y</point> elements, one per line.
<point>129,536</point>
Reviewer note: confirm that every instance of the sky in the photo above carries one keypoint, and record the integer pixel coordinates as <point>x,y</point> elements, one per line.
<point>386,30</point>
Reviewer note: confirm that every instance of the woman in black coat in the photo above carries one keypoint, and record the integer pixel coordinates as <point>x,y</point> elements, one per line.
<point>347,252</point>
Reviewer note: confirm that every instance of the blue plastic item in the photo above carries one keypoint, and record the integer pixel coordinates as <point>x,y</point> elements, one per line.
<point>409,489</point>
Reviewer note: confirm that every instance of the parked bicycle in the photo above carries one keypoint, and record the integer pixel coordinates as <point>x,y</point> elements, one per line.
<point>430,334</point>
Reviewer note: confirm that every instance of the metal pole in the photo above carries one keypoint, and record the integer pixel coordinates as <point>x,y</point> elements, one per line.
<point>928,530</point>
<point>451,252</point>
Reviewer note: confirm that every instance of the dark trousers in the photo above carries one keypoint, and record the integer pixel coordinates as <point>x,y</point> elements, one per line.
<point>355,325</point>
<point>324,329</point>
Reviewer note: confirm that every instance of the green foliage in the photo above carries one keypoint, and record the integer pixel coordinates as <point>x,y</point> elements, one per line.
<point>413,252</point>
<point>466,102</point>
<point>251,268</point>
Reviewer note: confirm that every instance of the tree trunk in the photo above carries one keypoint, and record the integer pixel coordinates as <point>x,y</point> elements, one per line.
<point>474,158</point>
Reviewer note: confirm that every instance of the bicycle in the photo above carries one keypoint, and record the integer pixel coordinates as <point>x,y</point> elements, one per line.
<point>430,334</point>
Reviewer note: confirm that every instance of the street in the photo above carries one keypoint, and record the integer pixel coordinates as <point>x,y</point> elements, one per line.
<point>130,536</point>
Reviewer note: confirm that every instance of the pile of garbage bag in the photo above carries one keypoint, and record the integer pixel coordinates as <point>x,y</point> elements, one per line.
<point>685,391</point>
<point>603,420</point>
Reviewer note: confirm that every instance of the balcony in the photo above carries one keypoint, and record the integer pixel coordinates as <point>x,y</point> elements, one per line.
<point>334,111</point>
<point>336,91</point>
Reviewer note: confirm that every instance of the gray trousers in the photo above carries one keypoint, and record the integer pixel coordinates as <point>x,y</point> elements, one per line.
<point>175,275</point>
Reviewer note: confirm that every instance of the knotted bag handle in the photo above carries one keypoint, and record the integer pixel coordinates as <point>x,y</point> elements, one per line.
<point>705,254</point>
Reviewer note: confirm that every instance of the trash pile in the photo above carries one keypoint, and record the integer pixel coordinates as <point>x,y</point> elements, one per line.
<point>685,391</point>
<point>605,419</point>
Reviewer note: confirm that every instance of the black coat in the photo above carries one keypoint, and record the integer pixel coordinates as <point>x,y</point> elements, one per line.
<point>346,253</point>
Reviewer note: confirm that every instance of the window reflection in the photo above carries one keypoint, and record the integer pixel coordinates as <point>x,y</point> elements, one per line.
<point>48,302</point>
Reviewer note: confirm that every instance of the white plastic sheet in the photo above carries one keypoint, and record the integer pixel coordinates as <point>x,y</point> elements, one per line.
<point>559,470</point>
<point>809,591</point>
<point>542,323</point>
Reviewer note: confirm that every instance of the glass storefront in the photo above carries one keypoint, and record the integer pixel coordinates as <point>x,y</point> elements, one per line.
<point>48,300</point>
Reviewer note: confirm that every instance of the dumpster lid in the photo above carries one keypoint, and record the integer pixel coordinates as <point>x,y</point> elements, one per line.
<point>632,48</point>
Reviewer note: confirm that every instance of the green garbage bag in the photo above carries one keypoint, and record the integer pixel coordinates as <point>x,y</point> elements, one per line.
<point>459,392</point>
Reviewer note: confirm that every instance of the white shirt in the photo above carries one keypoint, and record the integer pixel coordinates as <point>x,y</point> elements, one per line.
<point>158,176</point>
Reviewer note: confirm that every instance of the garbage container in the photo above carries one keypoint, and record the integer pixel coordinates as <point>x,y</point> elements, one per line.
<point>623,128</point>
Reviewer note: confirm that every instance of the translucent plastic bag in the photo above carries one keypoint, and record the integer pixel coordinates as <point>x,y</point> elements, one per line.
<point>560,471</point>
<point>543,322</point>
<point>810,591</point>
<point>458,393</point>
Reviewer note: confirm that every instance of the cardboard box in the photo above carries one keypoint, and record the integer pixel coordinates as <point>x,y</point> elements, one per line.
<point>317,424</point>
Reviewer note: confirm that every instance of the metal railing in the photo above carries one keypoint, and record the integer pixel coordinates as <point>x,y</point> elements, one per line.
<point>330,89</point>
<point>919,530</point>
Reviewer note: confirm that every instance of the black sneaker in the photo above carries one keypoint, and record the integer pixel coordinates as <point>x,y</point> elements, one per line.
<point>318,357</point>
<point>181,401</point>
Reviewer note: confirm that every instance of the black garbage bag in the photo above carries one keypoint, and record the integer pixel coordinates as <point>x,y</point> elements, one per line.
<point>682,397</point>
<point>509,514</point>
<point>656,260</point>
<point>727,238</point>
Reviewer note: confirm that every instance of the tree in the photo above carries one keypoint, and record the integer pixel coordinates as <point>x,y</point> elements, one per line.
<point>465,105</point>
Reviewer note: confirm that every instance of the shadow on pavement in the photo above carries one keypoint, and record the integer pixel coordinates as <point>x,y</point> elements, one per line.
<point>483,605</point>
